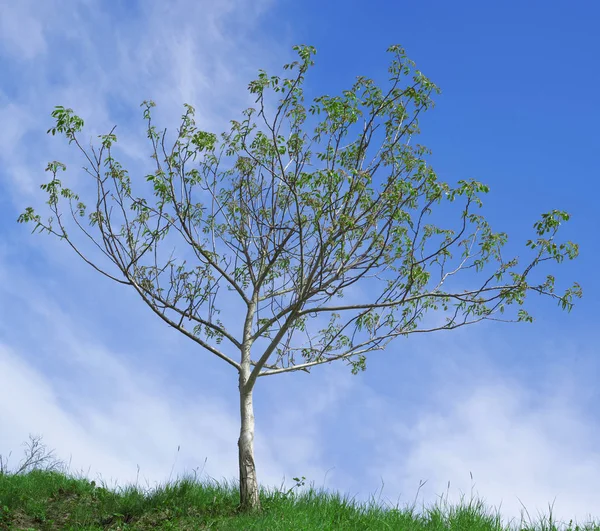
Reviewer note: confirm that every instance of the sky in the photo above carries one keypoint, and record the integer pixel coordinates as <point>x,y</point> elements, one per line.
<point>506,412</point>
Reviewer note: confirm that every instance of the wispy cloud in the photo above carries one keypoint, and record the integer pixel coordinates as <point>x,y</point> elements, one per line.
<point>111,414</point>
<point>105,63</point>
<point>525,446</point>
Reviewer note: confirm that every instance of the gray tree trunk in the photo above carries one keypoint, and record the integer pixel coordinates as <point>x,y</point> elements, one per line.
<point>249,498</point>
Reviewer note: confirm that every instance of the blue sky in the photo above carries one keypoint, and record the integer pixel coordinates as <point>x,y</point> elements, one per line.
<point>86,364</point>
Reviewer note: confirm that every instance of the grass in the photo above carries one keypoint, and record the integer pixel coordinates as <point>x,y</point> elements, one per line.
<point>51,499</point>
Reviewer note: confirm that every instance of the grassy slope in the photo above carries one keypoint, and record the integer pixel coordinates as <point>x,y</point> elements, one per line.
<point>43,500</point>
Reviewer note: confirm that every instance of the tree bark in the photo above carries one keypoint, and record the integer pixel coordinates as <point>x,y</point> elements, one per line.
<point>249,494</point>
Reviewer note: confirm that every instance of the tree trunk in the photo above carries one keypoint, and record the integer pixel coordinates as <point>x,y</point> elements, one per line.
<point>249,498</point>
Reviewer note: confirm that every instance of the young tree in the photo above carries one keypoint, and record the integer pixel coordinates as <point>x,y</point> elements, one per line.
<point>289,220</point>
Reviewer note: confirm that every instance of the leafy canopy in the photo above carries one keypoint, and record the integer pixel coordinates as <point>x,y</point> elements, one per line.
<point>288,220</point>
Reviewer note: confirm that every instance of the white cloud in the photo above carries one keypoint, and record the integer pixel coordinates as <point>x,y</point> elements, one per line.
<point>521,446</point>
<point>103,65</point>
<point>15,121</point>
<point>21,31</point>
<point>107,413</point>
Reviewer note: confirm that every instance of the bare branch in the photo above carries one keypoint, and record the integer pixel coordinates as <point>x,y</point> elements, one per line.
<point>36,458</point>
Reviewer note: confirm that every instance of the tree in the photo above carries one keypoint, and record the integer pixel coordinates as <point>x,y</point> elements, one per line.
<point>291,220</point>
<point>37,457</point>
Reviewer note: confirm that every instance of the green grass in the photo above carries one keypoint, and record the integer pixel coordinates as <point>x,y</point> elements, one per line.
<point>44,500</point>
<point>51,499</point>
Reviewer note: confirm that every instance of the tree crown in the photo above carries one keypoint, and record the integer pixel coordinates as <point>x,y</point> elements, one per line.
<point>289,220</point>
